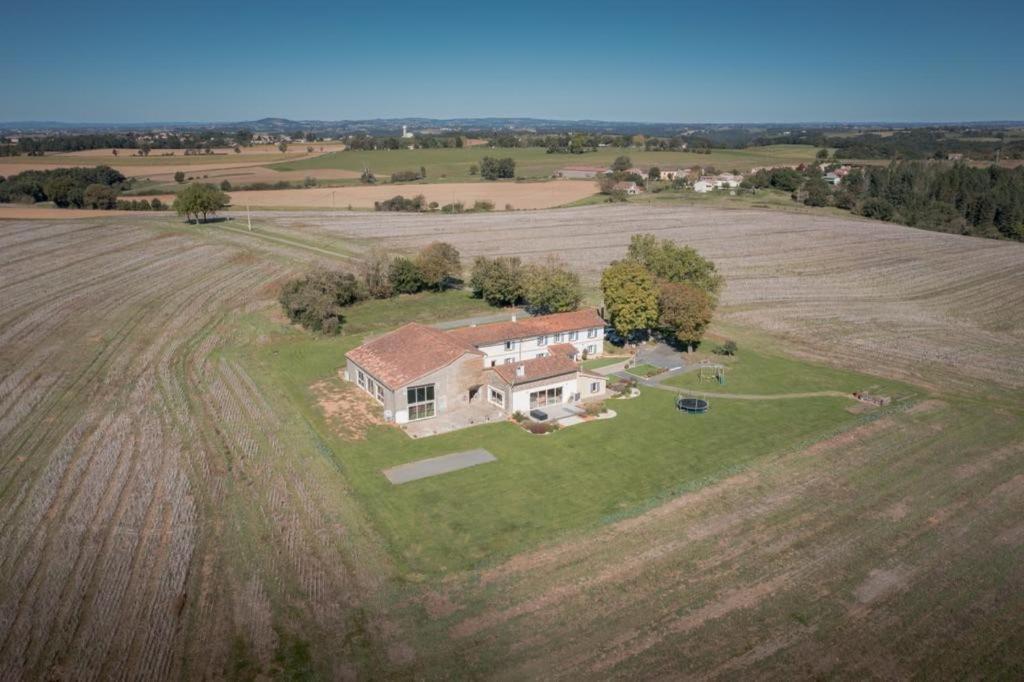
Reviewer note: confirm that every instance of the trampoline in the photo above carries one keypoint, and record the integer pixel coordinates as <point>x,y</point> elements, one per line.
<point>692,405</point>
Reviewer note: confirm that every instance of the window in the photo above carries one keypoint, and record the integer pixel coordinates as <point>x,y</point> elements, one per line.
<point>360,378</point>
<point>421,401</point>
<point>380,393</point>
<point>592,333</point>
<point>595,386</point>
<point>495,396</point>
<point>558,337</point>
<point>542,340</point>
<point>509,361</point>
<point>510,345</point>
<point>592,349</point>
<point>550,396</point>
<point>574,336</point>
<point>493,363</point>
<point>370,386</point>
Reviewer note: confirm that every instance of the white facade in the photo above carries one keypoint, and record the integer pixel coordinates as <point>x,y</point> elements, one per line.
<point>589,341</point>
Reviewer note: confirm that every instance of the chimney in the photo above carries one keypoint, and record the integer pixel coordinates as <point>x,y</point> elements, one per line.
<point>520,371</point>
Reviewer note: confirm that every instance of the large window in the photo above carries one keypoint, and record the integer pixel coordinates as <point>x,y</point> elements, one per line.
<point>361,378</point>
<point>592,333</point>
<point>550,396</point>
<point>421,401</point>
<point>595,386</point>
<point>573,336</point>
<point>510,345</point>
<point>542,340</point>
<point>495,396</point>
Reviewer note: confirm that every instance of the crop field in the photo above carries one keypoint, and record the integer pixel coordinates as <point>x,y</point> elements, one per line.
<point>188,491</point>
<point>535,162</point>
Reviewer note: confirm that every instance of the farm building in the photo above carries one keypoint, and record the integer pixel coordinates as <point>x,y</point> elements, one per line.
<point>627,187</point>
<point>418,372</point>
<point>722,181</point>
<point>581,172</point>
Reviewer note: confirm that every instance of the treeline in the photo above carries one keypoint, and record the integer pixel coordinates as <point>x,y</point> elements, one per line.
<point>318,300</point>
<point>955,198</point>
<point>33,146</point>
<point>96,187</point>
<point>420,141</point>
<point>418,204</point>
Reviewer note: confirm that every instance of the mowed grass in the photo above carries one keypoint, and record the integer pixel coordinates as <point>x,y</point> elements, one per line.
<point>535,162</point>
<point>596,363</point>
<point>542,487</point>
<point>765,373</point>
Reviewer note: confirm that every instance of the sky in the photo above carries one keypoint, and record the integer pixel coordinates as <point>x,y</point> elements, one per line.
<point>654,61</point>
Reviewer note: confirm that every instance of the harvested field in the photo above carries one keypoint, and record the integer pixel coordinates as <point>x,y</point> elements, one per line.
<point>524,195</point>
<point>165,515</point>
<point>921,303</point>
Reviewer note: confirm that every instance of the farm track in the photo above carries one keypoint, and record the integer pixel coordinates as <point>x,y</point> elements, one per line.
<point>164,517</point>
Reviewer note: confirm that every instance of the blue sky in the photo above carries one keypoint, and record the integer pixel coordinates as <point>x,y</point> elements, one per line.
<point>679,61</point>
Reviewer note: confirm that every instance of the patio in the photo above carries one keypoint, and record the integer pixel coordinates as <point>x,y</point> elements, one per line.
<point>481,412</point>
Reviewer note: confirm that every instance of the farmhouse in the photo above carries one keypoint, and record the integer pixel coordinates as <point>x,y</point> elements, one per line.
<point>627,187</point>
<point>418,372</point>
<point>722,181</point>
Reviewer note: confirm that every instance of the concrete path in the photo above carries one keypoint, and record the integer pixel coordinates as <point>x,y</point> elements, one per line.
<point>434,466</point>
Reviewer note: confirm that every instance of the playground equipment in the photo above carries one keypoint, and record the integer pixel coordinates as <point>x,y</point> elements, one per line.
<point>692,405</point>
<point>712,373</point>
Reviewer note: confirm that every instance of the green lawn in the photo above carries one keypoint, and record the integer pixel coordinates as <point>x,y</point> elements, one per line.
<point>644,370</point>
<point>541,487</point>
<point>756,372</point>
<point>602,362</point>
<point>535,162</point>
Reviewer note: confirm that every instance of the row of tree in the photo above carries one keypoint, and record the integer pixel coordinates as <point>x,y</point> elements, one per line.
<point>546,287</point>
<point>660,287</point>
<point>79,187</point>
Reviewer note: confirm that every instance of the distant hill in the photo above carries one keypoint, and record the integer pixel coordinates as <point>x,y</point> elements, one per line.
<point>389,126</point>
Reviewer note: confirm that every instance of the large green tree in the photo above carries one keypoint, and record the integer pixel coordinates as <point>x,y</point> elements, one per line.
<point>317,300</point>
<point>439,265</point>
<point>405,276</point>
<point>200,200</point>
<point>499,281</point>
<point>673,263</point>
<point>630,297</point>
<point>550,287</point>
<point>684,311</point>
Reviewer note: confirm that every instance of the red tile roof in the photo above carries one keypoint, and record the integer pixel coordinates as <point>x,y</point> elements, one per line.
<point>408,353</point>
<point>536,369</point>
<point>566,349</point>
<point>541,325</point>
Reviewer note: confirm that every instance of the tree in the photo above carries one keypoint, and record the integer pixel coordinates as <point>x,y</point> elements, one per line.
<point>316,300</point>
<point>282,146</point>
<point>621,164</point>
<point>653,173</point>
<point>200,200</point>
<point>439,265</point>
<point>499,281</point>
<point>225,185</point>
<point>670,262</point>
<point>817,192</point>
<point>474,169</point>
<point>179,177</point>
<point>822,155</point>
<point>368,177</point>
<point>630,297</point>
<point>404,276</point>
<point>550,287</point>
<point>99,196</point>
<point>375,273</point>
<point>684,311</point>
<point>494,169</point>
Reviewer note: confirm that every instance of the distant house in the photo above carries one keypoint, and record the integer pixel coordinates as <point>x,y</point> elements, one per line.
<point>671,173</point>
<point>418,372</point>
<point>581,172</point>
<point>706,183</point>
<point>955,156</point>
<point>627,187</point>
